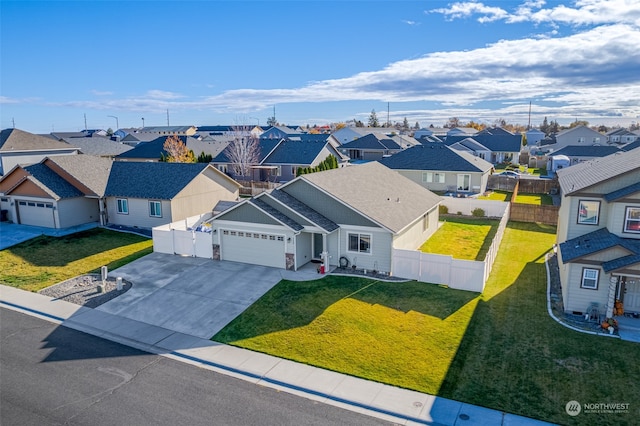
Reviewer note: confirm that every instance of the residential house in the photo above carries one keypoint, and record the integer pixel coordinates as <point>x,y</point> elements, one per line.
<point>154,151</point>
<point>169,130</point>
<point>533,137</point>
<point>145,195</point>
<point>91,144</point>
<point>580,153</point>
<point>349,134</point>
<point>20,147</point>
<point>64,191</point>
<point>579,135</point>
<point>462,131</point>
<point>621,136</point>
<point>370,147</point>
<point>504,146</point>
<point>280,132</point>
<point>280,159</point>
<point>355,215</point>
<point>438,167</point>
<point>472,147</point>
<point>599,234</point>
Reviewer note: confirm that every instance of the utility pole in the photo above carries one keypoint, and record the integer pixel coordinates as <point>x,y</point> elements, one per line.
<point>167,117</point>
<point>13,120</point>
<point>388,121</point>
<point>529,125</point>
<point>143,122</point>
<point>85,121</point>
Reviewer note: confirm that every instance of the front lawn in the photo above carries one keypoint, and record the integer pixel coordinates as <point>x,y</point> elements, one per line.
<point>463,238</point>
<point>44,261</point>
<point>537,199</point>
<point>499,349</point>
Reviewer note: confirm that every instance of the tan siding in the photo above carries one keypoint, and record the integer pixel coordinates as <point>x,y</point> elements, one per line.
<point>77,211</point>
<point>414,236</point>
<point>200,196</point>
<point>30,189</point>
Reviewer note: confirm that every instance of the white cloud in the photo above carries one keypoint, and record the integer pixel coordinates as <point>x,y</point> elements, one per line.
<point>161,94</point>
<point>584,12</point>
<point>101,92</point>
<point>7,100</point>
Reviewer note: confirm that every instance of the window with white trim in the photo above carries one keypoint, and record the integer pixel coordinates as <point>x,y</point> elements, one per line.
<point>155,209</point>
<point>432,177</point>
<point>123,206</point>
<point>590,278</point>
<point>464,182</point>
<point>359,243</point>
<point>588,212</point>
<point>632,220</point>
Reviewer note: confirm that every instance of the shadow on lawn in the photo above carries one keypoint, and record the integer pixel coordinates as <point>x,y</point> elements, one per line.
<point>515,358</point>
<point>60,251</point>
<point>290,304</point>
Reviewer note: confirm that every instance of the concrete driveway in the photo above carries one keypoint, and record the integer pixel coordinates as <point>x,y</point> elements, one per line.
<point>192,295</point>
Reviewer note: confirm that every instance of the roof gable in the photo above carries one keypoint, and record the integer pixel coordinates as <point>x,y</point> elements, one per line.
<point>19,140</point>
<point>296,152</point>
<point>51,182</point>
<point>437,157</point>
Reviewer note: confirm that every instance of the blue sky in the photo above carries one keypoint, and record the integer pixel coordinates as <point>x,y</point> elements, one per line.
<point>228,62</point>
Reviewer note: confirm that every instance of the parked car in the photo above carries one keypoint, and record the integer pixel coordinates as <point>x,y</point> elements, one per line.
<point>509,174</point>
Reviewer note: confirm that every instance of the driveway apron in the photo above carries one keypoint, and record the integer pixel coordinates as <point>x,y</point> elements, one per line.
<point>189,295</point>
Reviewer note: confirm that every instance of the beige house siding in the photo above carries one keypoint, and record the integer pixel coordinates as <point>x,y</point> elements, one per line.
<point>415,235</point>
<point>76,211</point>
<point>579,299</point>
<point>200,196</point>
<point>138,213</point>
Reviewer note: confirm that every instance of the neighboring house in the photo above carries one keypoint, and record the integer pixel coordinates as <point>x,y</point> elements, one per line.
<point>95,145</point>
<point>64,191</point>
<point>370,147</point>
<point>462,131</point>
<point>472,147</point>
<point>20,147</point>
<point>58,192</point>
<point>503,146</point>
<point>280,159</point>
<point>438,167</point>
<point>169,130</point>
<point>145,195</point>
<point>154,150</point>
<point>579,135</point>
<point>578,154</point>
<point>621,136</point>
<point>599,234</point>
<point>534,136</point>
<point>349,134</point>
<point>317,216</point>
<point>279,132</point>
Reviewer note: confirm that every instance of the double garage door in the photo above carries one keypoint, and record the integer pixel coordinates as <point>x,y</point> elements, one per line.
<point>36,213</point>
<point>257,248</point>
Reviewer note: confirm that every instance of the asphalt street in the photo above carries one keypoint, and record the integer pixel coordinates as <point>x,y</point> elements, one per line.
<point>52,375</point>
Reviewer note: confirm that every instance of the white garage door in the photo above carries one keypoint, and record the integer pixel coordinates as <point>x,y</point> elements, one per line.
<point>36,213</point>
<point>253,247</point>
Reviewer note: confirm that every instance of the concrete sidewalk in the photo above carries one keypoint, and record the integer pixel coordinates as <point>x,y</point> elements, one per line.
<point>396,405</point>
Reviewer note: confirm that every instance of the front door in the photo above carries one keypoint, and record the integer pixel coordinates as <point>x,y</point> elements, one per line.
<point>632,295</point>
<point>318,247</point>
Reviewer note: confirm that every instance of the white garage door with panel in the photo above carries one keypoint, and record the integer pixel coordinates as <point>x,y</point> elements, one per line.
<point>36,213</point>
<point>253,247</point>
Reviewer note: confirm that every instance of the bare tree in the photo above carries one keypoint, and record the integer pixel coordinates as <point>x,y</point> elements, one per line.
<point>243,151</point>
<point>177,152</point>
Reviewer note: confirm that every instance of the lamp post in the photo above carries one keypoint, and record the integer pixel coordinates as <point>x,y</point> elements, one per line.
<point>143,122</point>
<point>117,125</point>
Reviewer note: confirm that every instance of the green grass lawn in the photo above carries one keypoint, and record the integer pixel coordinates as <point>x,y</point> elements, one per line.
<point>497,196</point>
<point>463,238</point>
<point>499,349</point>
<point>44,261</point>
<point>537,199</point>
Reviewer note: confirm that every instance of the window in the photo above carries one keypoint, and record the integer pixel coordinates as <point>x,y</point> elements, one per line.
<point>22,203</point>
<point>632,220</point>
<point>233,233</point>
<point>123,206</point>
<point>155,209</point>
<point>580,139</point>
<point>4,200</point>
<point>280,238</point>
<point>588,212</point>
<point>240,234</point>
<point>360,243</point>
<point>589,278</point>
<point>464,182</point>
<point>433,177</point>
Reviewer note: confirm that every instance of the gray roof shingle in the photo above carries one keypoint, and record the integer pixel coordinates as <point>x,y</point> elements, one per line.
<point>150,180</point>
<point>304,210</point>
<point>91,171</point>
<point>436,156</point>
<point>590,173</point>
<point>276,214</point>
<point>49,181</point>
<point>19,140</point>
<point>597,241</point>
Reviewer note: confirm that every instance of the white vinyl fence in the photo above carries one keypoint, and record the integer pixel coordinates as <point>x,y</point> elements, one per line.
<point>186,237</point>
<point>468,275</point>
